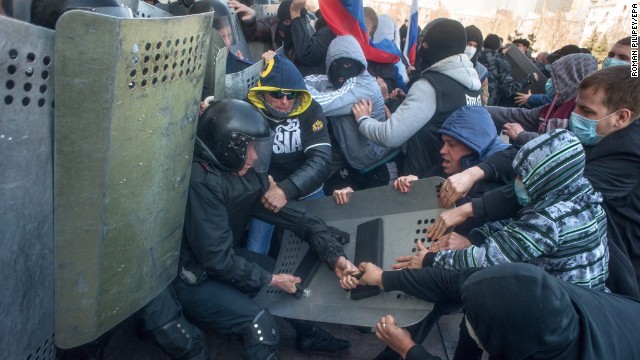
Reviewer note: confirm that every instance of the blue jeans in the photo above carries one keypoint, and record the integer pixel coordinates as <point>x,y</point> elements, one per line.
<point>260,232</point>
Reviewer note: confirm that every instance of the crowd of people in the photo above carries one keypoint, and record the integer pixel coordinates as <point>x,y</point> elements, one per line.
<point>539,245</point>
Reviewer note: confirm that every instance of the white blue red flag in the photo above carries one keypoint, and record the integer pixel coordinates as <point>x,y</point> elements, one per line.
<point>346,17</point>
<point>411,44</point>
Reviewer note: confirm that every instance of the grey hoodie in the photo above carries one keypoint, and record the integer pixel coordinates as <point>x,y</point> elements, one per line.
<point>420,105</point>
<point>361,153</point>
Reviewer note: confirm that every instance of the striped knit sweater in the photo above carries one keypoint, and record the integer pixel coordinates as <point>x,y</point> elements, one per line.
<point>563,229</point>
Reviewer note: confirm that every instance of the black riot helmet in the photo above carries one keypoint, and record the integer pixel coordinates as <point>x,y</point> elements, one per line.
<point>223,20</point>
<point>231,133</point>
<point>47,12</point>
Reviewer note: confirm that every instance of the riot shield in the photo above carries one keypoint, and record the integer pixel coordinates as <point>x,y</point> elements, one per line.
<point>387,221</point>
<point>521,66</point>
<point>142,10</point>
<point>26,190</point>
<point>237,85</point>
<point>126,108</point>
<point>214,79</point>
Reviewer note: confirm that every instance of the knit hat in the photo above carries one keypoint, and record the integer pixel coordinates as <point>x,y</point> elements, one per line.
<point>280,74</point>
<point>492,41</point>
<point>474,34</point>
<point>444,37</point>
<point>524,42</point>
<point>550,163</point>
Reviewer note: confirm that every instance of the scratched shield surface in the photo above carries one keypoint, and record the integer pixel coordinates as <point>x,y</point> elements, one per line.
<point>126,107</point>
<point>405,218</point>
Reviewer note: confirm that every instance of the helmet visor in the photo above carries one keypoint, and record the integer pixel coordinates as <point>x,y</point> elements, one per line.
<point>259,152</point>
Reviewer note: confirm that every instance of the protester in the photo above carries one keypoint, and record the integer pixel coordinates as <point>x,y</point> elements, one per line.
<point>515,311</point>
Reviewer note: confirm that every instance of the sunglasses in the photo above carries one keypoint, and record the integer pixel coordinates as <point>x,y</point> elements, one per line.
<point>280,94</point>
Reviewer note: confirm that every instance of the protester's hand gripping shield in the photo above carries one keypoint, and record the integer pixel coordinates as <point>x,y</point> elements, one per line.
<point>126,108</point>
<point>521,67</point>
<point>26,190</point>
<point>405,218</point>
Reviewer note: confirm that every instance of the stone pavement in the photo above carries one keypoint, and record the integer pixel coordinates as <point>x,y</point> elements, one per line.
<point>125,343</point>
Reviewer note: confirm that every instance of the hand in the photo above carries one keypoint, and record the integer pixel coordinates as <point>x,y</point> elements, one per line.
<point>512,130</point>
<point>344,267</point>
<point>274,199</point>
<point>521,99</point>
<point>458,185</point>
<point>203,107</point>
<point>398,94</point>
<point>248,13</point>
<point>296,8</point>
<point>412,261</point>
<point>451,241</point>
<point>403,183</point>
<point>239,54</point>
<point>372,276</point>
<point>285,282</point>
<point>383,87</point>
<point>268,55</point>
<point>397,338</point>
<point>342,196</point>
<point>449,218</point>
<point>362,108</point>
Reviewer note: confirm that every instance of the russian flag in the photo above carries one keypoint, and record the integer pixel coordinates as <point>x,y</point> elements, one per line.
<point>346,17</point>
<point>410,45</point>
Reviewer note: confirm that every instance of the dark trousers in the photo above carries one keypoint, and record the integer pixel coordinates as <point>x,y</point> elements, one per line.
<point>219,306</point>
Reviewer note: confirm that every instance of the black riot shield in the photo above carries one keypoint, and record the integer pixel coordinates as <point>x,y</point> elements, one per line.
<point>126,107</point>
<point>381,224</point>
<point>521,66</point>
<point>26,190</point>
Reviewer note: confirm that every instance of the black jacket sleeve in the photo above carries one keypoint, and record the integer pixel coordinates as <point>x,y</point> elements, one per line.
<point>429,284</point>
<point>317,151</point>
<point>307,227</point>
<point>310,49</point>
<point>211,239</point>
<point>497,204</point>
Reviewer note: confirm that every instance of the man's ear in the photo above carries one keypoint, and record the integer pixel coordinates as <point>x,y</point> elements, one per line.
<point>624,117</point>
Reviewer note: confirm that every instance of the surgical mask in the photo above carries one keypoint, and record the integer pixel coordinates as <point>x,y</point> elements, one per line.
<point>521,193</point>
<point>548,68</point>
<point>548,87</point>
<point>585,129</point>
<point>613,62</point>
<point>470,51</point>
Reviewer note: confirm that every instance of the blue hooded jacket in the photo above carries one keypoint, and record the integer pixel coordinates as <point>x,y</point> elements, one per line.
<point>472,126</point>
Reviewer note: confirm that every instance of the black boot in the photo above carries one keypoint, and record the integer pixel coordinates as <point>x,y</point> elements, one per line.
<point>312,339</point>
<point>181,340</point>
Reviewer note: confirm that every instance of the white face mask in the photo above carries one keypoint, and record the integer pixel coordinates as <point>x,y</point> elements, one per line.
<point>470,51</point>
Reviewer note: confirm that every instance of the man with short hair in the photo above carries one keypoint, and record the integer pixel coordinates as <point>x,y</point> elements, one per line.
<point>620,53</point>
<point>605,122</point>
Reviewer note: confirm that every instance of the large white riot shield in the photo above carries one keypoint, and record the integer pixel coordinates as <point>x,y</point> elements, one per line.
<point>399,221</point>
<point>26,190</point>
<point>126,107</point>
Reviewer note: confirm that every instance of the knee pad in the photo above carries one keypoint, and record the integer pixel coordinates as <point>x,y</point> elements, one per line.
<point>181,340</point>
<point>263,330</point>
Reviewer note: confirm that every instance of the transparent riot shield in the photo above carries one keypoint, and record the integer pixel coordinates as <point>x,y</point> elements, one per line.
<point>402,218</point>
<point>126,107</point>
<point>26,190</point>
